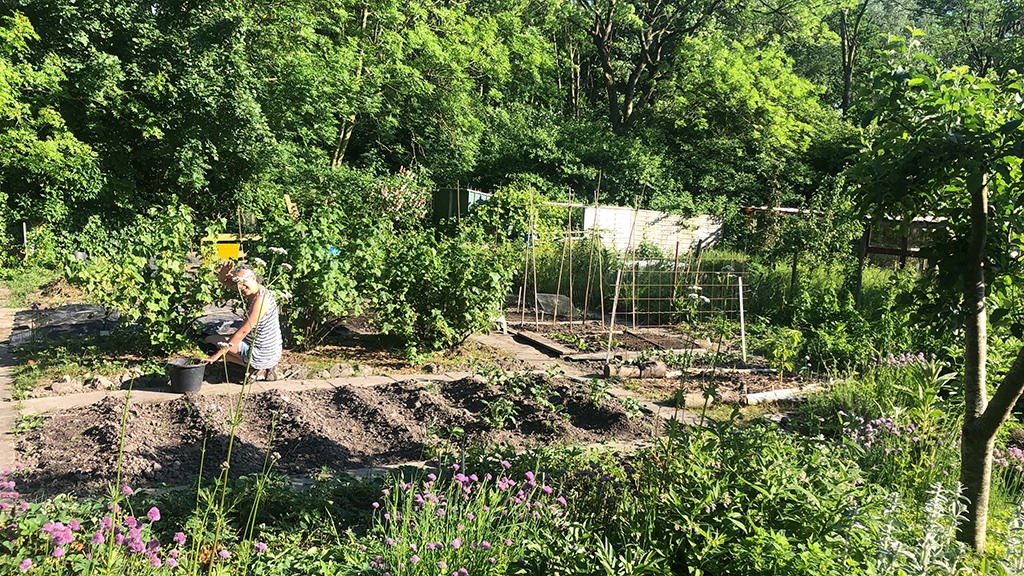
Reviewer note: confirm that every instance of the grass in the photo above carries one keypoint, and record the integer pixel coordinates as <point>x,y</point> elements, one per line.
<point>25,283</point>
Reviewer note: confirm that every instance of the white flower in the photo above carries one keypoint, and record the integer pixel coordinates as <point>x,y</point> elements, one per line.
<point>224,344</point>
<point>696,288</point>
<point>692,296</point>
<point>705,299</point>
<point>284,398</point>
<point>286,266</point>
<point>727,268</point>
<point>277,250</point>
<point>260,261</point>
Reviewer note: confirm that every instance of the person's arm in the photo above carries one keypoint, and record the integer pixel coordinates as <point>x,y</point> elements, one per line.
<point>224,274</point>
<point>256,313</point>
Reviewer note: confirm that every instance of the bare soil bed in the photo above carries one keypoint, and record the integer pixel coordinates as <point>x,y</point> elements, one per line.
<point>735,382</point>
<point>348,427</point>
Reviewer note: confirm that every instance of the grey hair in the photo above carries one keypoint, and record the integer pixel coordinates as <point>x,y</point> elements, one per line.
<point>240,268</point>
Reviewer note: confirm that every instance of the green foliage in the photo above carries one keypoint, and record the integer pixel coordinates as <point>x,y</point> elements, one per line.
<point>24,281</point>
<point>331,256</point>
<point>781,347</point>
<point>434,292</point>
<point>144,274</point>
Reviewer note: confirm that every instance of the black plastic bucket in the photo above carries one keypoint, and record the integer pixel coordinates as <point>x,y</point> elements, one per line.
<point>186,374</point>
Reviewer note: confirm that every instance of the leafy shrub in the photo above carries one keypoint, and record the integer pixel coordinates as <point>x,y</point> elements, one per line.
<point>435,292</point>
<point>144,273</point>
<point>330,264</point>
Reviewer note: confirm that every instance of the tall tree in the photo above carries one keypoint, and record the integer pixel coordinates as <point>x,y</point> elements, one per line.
<point>636,43</point>
<point>985,35</point>
<point>45,171</point>
<point>948,143</point>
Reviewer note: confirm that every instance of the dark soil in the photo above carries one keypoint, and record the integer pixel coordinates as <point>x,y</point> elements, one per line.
<point>348,427</point>
<point>740,382</point>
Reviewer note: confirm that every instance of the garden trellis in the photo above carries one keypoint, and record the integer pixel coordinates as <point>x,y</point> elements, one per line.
<point>572,281</point>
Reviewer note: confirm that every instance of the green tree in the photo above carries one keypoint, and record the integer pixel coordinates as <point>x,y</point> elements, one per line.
<point>946,143</point>
<point>45,171</point>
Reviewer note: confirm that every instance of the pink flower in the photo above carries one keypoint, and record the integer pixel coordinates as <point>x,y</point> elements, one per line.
<point>171,562</point>
<point>224,554</point>
<point>126,491</point>
<point>153,514</point>
<point>97,538</point>
<point>154,561</point>
<point>260,547</point>
<point>58,552</point>
<point>180,538</point>
<point>25,565</point>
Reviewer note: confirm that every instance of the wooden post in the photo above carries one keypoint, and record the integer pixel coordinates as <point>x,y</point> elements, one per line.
<point>743,329</point>
<point>862,253</point>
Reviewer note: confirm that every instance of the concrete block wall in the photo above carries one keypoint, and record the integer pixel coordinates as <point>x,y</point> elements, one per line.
<point>662,229</point>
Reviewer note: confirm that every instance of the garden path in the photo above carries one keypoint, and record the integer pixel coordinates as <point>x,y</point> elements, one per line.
<point>8,413</point>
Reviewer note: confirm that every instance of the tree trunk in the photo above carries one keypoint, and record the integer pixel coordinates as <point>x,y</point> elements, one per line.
<point>347,126</point>
<point>977,440</point>
<point>848,49</point>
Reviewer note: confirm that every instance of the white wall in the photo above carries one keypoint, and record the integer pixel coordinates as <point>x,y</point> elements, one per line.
<point>659,228</point>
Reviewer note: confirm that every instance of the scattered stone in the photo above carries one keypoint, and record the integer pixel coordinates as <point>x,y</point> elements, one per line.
<point>322,373</point>
<point>66,385</point>
<point>431,369</point>
<point>292,372</point>
<point>477,379</point>
<point>100,383</point>
<point>364,369</point>
<point>341,370</point>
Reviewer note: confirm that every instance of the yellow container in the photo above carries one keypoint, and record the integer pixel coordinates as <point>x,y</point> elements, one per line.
<point>228,245</point>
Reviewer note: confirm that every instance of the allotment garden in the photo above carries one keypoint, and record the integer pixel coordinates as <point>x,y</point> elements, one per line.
<point>600,287</point>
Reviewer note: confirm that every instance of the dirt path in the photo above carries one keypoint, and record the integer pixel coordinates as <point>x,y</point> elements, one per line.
<point>8,413</point>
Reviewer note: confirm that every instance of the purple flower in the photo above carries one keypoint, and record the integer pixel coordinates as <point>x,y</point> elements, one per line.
<point>442,564</point>
<point>485,545</point>
<point>97,538</point>
<point>180,538</point>
<point>106,524</point>
<point>74,525</point>
<point>126,491</point>
<point>375,504</point>
<point>58,552</point>
<point>154,561</point>
<point>224,554</point>
<point>171,562</point>
<point>153,514</point>
<point>457,542</point>
<point>506,464</point>
<point>414,559</point>
<point>463,572</point>
<point>25,565</point>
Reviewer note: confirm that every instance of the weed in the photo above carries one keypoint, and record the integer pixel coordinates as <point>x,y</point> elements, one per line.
<point>498,412</point>
<point>633,407</point>
<point>597,391</point>
<point>26,423</point>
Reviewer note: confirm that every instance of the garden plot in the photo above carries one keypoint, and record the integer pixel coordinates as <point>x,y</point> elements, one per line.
<point>347,427</point>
